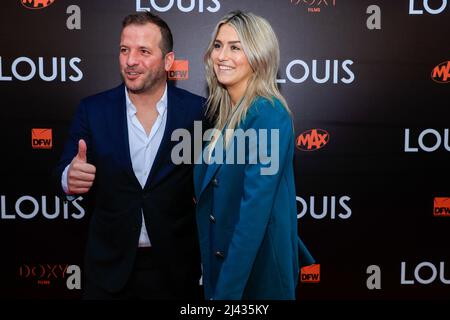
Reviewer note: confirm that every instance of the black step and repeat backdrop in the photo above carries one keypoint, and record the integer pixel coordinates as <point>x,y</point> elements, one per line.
<point>369,86</point>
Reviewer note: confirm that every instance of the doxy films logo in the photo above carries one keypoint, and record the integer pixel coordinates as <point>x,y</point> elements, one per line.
<point>314,6</point>
<point>47,274</point>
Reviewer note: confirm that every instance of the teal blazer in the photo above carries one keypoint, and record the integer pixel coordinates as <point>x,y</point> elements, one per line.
<point>247,222</point>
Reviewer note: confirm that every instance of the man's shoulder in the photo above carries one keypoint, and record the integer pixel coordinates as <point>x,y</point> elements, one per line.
<point>113,93</point>
<point>186,95</point>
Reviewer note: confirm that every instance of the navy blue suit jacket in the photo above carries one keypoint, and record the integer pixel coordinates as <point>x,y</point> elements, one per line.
<point>166,199</point>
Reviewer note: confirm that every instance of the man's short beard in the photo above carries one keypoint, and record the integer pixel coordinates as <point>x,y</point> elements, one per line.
<point>138,91</point>
<point>150,86</point>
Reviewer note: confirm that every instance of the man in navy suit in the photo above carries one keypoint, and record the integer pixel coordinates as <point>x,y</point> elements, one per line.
<point>142,239</point>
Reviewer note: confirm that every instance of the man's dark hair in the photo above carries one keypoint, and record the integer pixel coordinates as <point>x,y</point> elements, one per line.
<point>145,17</point>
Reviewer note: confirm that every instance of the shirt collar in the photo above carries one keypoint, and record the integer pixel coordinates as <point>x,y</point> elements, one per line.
<point>161,105</point>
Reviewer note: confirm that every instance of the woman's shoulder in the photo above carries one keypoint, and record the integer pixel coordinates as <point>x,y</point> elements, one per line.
<point>268,108</point>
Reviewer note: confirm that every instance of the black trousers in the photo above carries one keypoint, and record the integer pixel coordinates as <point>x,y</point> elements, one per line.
<point>149,280</point>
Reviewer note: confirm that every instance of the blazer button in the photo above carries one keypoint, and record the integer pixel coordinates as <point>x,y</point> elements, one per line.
<point>212,218</point>
<point>219,254</point>
<point>215,182</point>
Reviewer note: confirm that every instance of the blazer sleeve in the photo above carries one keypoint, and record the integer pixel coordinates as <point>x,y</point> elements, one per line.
<point>306,259</point>
<point>79,129</point>
<point>257,201</point>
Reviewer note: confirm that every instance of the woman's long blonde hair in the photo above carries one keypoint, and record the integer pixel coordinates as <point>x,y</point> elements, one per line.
<point>260,45</point>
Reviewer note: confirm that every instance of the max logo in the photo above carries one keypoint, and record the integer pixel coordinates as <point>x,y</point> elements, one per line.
<point>441,207</point>
<point>41,138</point>
<point>36,4</point>
<point>441,73</point>
<point>312,140</point>
<point>310,273</point>
<point>179,70</point>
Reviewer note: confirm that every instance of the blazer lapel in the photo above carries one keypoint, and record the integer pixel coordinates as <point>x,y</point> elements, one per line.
<point>175,119</point>
<point>119,132</point>
<point>211,169</point>
<point>210,172</point>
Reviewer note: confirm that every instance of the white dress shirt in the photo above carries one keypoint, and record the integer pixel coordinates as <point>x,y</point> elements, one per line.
<point>143,149</point>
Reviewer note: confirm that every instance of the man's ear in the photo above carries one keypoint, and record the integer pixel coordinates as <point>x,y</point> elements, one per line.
<point>168,60</point>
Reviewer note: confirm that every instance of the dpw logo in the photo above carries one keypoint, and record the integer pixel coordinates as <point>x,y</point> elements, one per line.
<point>179,70</point>
<point>166,5</point>
<point>41,138</point>
<point>441,207</point>
<point>310,274</point>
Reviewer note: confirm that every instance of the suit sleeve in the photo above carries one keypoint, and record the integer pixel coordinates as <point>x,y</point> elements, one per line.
<point>79,129</point>
<point>257,200</point>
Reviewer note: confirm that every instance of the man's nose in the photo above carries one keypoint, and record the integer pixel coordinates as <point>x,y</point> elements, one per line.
<point>132,58</point>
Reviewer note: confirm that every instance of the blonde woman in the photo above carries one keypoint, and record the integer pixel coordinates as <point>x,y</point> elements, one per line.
<point>246,205</point>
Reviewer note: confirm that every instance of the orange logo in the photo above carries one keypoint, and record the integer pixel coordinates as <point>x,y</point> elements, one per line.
<point>314,6</point>
<point>179,70</point>
<point>441,207</point>
<point>310,273</point>
<point>41,138</point>
<point>312,140</point>
<point>36,4</point>
<point>441,73</point>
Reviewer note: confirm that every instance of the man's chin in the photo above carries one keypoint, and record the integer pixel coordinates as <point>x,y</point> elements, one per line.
<point>134,89</point>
